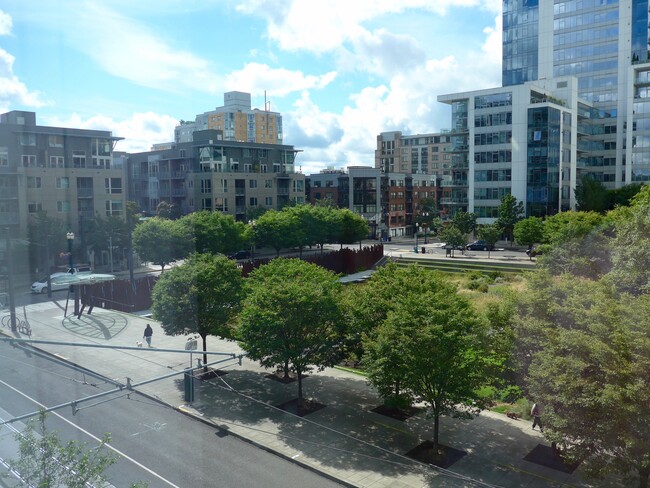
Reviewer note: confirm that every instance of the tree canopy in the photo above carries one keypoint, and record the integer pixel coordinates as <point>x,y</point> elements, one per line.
<point>201,296</point>
<point>583,350</point>
<point>291,317</point>
<point>511,211</point>
<point>433,345</point>
<point>214,232</point>
<point>160,241</point>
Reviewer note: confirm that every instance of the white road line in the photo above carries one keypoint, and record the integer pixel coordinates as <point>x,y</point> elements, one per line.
<point>117,451</point>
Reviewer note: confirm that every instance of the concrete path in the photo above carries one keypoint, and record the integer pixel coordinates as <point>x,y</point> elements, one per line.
<point>345,440</point>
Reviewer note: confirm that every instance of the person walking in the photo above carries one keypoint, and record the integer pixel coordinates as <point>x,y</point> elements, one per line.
<point>535,412</point>
<point>148,332</point>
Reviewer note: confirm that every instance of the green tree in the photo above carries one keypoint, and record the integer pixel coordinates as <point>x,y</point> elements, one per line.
<point>278,229</point>
<point>454,238</point>
<point>434,340</point>
<point>464,221</point>
<point>354,228</point>
<point>622,197</point>
<point>104,232</point>
<point>630,248</point>
<point>565,226</point>
<point>510,212</point>
<point>161,241</point>
<point>591,195</point>
<point>588,370</point>
<point>291,317</point>
<point>45,461</point>
<point>201,296</point>
<point>490,234</point>
<point>214,232</point>
<point>577,243</point>
<point>529,232</point>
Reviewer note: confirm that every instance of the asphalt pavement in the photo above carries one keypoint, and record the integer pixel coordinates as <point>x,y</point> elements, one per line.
<point>345,440</point>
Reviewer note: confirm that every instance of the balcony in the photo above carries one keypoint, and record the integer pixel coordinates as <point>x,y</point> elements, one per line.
<point>458,148</point>
<point>84,192</point>
<point>454,201</point>
<point>454,183</point>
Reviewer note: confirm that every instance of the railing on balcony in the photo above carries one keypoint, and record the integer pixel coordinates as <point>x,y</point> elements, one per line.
<point>84,192</point>
<point>449,183</point>
<point>454,201</point>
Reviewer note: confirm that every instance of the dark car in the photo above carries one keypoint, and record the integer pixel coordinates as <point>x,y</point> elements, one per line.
<point>240,255</point>
<point>479,246</point>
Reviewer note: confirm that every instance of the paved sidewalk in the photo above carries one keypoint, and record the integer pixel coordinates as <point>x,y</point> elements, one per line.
<point>345,440</point>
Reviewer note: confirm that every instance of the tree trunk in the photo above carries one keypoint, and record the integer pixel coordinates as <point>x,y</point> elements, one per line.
<point>299,373</point>
<point>205,356</point>
<point>286,368</point>
<point>436,431</point>
<point>300,252</point>
<point>643,477</point>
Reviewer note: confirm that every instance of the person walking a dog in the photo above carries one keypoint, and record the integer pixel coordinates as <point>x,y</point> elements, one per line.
<point>148,332</point>
<point>535,412</point>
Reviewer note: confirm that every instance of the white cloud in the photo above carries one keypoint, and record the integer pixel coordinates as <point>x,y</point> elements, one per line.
<point>324,25</point>
<point>12,90</point>
<point>6,23</point>
<point>256,78</point>
<point>407,102</point>
<point>140,131</point>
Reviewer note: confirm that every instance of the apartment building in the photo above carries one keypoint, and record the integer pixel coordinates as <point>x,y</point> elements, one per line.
<point>390,202</point>
<point>68,173</point>
<point>237,121</point>
<point>214,173</point>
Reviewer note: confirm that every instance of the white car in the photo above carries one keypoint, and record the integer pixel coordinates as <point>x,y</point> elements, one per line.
<point>59,281</point>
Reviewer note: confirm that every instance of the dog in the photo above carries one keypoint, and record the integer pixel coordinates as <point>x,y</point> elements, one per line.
<point>138,343</point>
<point>513,415</point>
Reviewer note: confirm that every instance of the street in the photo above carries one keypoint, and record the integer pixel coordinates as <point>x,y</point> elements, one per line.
<point>153,443</point>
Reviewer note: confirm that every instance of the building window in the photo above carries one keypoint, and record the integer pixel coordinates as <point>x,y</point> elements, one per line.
<point>113,207</point>
<point>34,207</point>
<point>27,139</point>
<point>79,159</point>
<point>253,201</point>
<point>206,204</point>
<point>252,183</point>
<point>29,160</point>
<point>56,141</point>
<point>4,156</point>
<point>63,207</point>
<point>221,204</point>
<point>57,162</point>
<point>113,185</point>
<point>268,201</point>
<point>33,182</point>
<point>62,182</point>
<point>206,186</point>
<point>268,183</point>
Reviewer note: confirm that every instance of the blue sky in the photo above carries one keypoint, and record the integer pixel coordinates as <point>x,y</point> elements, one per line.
<point>339,71</point>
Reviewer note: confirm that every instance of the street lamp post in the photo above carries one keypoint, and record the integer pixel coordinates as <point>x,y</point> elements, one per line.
<point>70,237</point>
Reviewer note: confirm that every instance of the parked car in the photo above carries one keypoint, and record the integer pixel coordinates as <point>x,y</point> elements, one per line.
<point>245,254</point>
<point>59,281</point>
<point>479,246</point>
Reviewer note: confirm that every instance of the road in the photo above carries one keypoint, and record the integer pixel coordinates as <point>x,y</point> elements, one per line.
<point>153,443</point>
